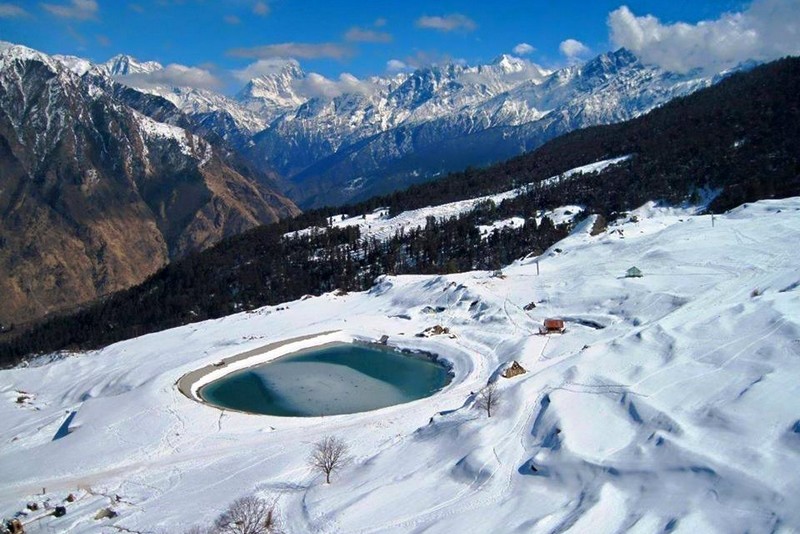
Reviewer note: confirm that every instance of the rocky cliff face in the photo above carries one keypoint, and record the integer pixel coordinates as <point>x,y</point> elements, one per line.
<point>95,196</point>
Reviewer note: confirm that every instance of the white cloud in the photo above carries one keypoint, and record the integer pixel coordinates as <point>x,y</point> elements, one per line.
<point>361,35</point>
<point>447,23</point>
<point>263,67</point>
<point>523,49</point>
<point>75,9</point>
<point>424,58</point>
<point>11,11</point>
<point>379,22</point>
<point>261,9</point>
<point>572,49</point>
<point>301,50</point>
<point>395,65</point>
<point>311,85</point>
<point>318,86</point>
<point>173,75</point>
<point>232,19</point>
<point>78,36</point>
<point>766,30</point>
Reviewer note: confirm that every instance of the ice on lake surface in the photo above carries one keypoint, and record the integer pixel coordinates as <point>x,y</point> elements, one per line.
<point>338,379</point>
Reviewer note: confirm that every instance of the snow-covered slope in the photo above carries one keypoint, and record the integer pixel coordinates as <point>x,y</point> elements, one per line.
<point>670,404</point>
<point>207,107</point>
<point>380,225</point>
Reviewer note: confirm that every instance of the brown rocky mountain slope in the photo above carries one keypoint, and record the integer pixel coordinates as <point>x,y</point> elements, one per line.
<point>95,196</point>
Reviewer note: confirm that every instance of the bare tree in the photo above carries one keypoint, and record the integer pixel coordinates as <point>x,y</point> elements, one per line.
<point>488,398</point>
<point>329,455</point>
<point>248,515</point>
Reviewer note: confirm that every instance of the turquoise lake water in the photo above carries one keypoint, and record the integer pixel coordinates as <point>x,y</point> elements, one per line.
<point>338,379</point>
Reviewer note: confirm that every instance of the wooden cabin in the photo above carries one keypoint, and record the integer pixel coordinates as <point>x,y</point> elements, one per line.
<point>553,326</point>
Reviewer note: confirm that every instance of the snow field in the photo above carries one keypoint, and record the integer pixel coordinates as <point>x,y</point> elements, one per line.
<point>670,404</point>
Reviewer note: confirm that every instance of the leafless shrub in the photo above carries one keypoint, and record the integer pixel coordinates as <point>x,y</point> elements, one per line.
<point>488,398</point>
<point>329,454</point>
<point>248,515</point>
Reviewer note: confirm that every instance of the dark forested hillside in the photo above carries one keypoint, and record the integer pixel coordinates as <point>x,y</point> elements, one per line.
<point>741,137</point>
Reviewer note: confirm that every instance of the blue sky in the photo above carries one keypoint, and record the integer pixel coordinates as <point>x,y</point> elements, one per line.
<point>364,37</point>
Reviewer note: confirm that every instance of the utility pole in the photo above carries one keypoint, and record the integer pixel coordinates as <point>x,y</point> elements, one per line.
<point>537,267</point>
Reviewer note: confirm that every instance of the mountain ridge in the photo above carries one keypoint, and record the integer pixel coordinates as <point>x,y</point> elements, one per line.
<point>480,123</point>
<point>335,141</point>
<point>97,196</point>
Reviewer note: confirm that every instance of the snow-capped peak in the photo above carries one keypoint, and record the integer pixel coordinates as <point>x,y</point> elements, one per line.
<point>122,65</point>
<point>510,63</point>
<point>609,62</point>
<point>277,81</point>
<point>274,90</point>
<point>15,52</point>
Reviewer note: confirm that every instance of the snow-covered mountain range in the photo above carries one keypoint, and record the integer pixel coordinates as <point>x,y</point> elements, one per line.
<point>446,118</point>
<point>345,139</point>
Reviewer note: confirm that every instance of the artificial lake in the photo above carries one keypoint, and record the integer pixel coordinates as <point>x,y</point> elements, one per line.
<point>334,379</point>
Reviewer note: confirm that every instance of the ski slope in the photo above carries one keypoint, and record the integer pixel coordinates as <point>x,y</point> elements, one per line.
<point>669,405</point>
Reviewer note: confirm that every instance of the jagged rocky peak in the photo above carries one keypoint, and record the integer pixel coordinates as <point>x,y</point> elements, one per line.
<point>123,65</point>
<point>35,93</point>
<point>609,62</point>
<point>214,111</point>
<point>469,83</point>
<point>277,80</point>
<point>522,68</point>
<point>275,90</point>
<point>425,83</point>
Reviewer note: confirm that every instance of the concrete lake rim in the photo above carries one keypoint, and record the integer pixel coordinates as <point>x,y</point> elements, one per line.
<point>192,382</point>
